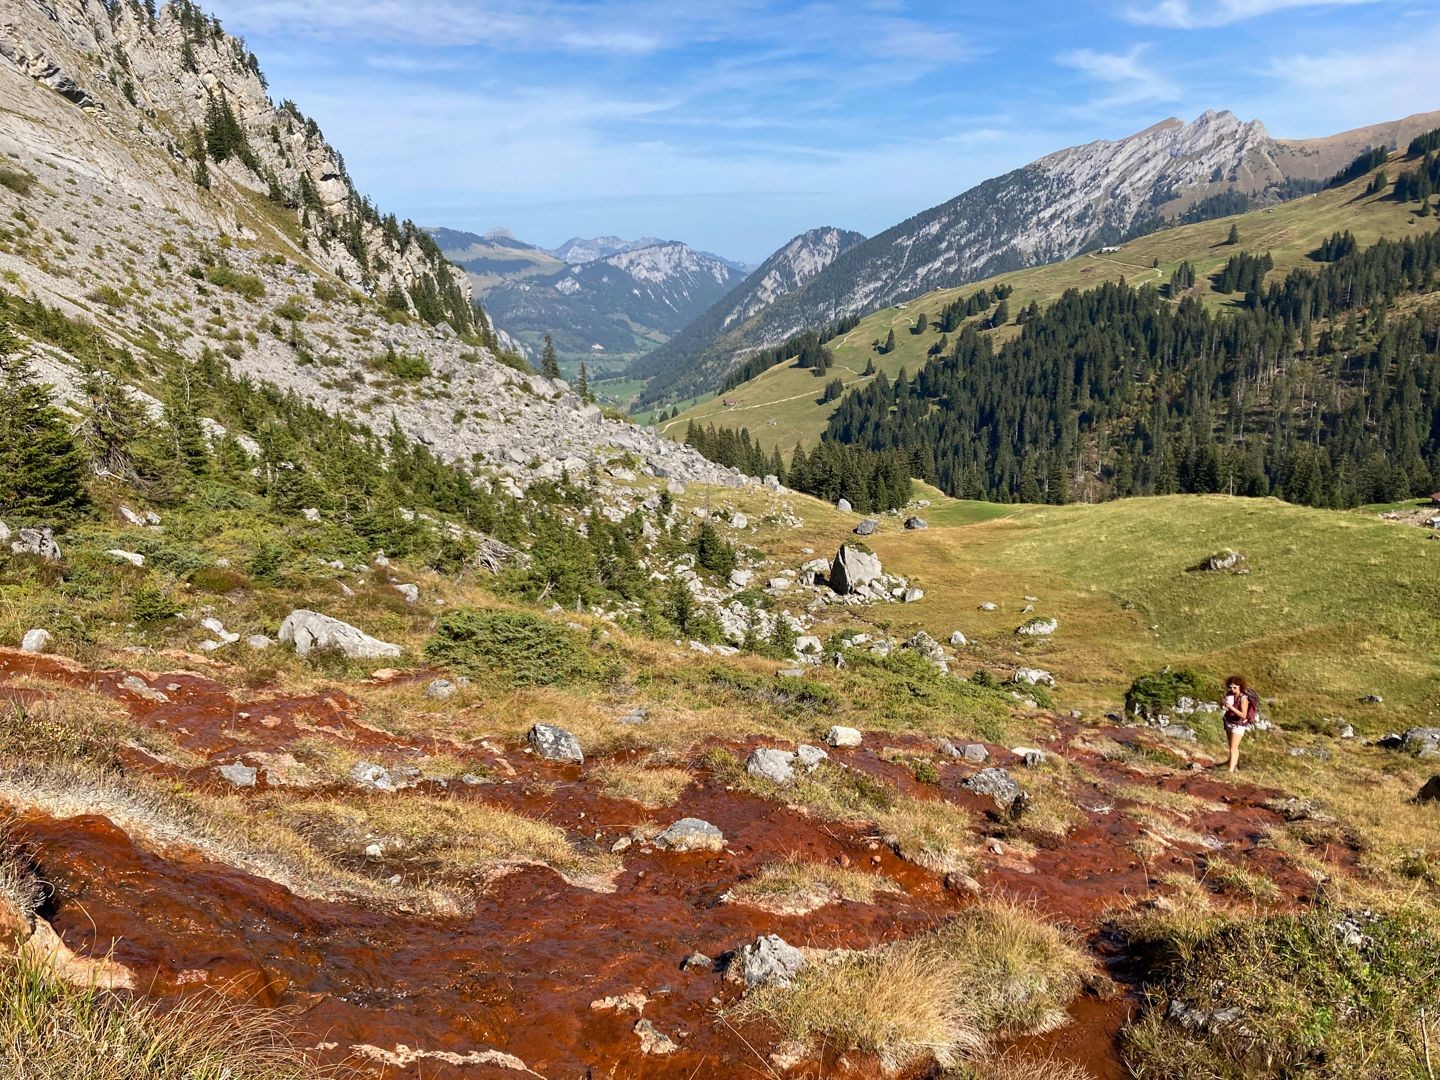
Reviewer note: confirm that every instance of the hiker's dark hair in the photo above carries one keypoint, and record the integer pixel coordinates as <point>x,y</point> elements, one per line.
<point>1237,680</point>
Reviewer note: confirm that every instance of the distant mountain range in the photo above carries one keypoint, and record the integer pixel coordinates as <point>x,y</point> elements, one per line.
<point>1063,204</point>
<point>688,364</point>
<point>600,297</point>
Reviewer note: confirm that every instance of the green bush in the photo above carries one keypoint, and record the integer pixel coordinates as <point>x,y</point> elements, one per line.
<point>18,182</point>
<point>712,551</point>
<point>292,309</point>
<point>218,580</point>
<point>511,647</point>
<point>226,277</point>
<point>151,605</point>
<point>1158,691</point>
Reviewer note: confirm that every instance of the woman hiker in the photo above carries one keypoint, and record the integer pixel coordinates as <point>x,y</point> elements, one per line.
<point>1241,708</point>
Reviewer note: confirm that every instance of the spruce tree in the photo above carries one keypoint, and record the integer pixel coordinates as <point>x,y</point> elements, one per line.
<point>549,363</point>
<point>41,467</point>
<point>582,385</point>
<point>1234,237</point>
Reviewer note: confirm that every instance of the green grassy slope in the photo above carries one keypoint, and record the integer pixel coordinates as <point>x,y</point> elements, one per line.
<point>782,405</point>
<point>1336,605</point>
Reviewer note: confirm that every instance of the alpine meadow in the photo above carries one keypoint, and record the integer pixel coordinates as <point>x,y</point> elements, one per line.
<point>682,558</point>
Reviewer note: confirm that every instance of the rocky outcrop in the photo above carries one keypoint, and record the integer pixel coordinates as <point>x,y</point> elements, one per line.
<point>769,960</point>
<point>691,834</point>
<point>854,568</point>
<point>309,630</point>
<point>555,744</point>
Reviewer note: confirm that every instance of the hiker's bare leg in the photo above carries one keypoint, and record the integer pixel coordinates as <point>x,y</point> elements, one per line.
<point>1235,734</point>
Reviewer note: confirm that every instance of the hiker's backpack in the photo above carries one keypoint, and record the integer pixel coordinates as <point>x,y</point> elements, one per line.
<point>1252,712</point>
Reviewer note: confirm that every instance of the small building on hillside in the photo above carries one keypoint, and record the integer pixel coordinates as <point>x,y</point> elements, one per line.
<point>1435,498</point>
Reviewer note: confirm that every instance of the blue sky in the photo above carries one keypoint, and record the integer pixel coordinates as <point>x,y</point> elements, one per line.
<point>733,126</point>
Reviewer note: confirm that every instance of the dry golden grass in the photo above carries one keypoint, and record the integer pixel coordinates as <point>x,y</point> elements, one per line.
<point>1236,880</point>
<point>797,887</point>
<point>1018,1066</point>
<point>996,971</point>
<point>1166,830</point>
<point>437,840</point>
<point>72,726</point>
<point>930,833</point>
<point>650,787</point>
<point>50,1030</point>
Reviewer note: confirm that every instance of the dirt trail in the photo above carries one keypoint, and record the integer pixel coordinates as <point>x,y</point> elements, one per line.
<point>518,974</point>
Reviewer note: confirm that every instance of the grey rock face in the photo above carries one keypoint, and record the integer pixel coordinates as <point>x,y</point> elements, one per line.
<point>916,523</point>
<point>555,744</point>
<point>995,782</point>
<point>308,630</point>
<point>1027,676</point>
<point>1038,628</point>
<point>866,527</point>
<point>1226,560</point>
<point>36,641</point>
<point>853,569</point>
<point>773,765</point>
<point>691,834</point>
<point>140,688</point>
<point>768,961</point>
<point>440,690</point>
<point>976,753</point>
<point>1421,740</point>
<point>810,756</point>
<point>237,774</point>
<point>39,542</point>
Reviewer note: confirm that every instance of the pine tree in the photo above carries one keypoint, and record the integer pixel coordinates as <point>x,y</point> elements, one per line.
<point>549,363</point>
<point>582,385</point>
<point>114,424</point>
<point>889,346</point>
<point>41,468</point>
<point>1234,237</point>
<point>869,367</point>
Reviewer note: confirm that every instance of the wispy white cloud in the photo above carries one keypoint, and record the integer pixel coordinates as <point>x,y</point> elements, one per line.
<point>1317,93</point>
<point>1130,80</point>
<point>1193,15</point>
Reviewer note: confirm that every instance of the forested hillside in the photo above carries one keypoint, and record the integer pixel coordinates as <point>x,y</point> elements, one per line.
<point>1324,389</point>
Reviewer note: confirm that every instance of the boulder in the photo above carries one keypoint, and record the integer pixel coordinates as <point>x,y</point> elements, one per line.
<point>1038,628</point>
<point>766,763</point>
<point>1029,676</point>
<point>308,630</point>
<point>237,774</point>
<point>130,517</point>
<point>916,523</point>
<point>691,834</point>
<point>810,756</point>
<point>843,505</point>
<point>808,645</point>
<point>1430,792</point>
<point>1225,560</point>
<point>134,558</point>
<point>853,568</point>
<point>975,753</point>
<point>697,961</point>
<point>926,646</point>
<point>910,596</point>
<point>866,527</point>
<point>440,690</point>
<point>843,736</point>
<point>39,542</point>
<point>555,744</point>
<point>995,782</point>
<point>36,641</point>
<point>216,627</point>
<point>140,688</point>
<point>411,593</point>
<point>310,513</point>
<point>989,605</point>
<point>741,578</point>
<point>767,961</point>
<point>654,1041</point>
<point>258,642</point>
<point>739,521</point>
<point>1421,741</point>
<point>958,639</point>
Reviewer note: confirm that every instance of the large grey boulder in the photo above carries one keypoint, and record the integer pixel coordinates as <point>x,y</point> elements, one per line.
<point>555,744</point>
<point>308,630</point>
<point>853,568</point>
<point>843,736</point>
<point>916,523</point>
<point>866,527</point>
<point>769,960</point>
<point>691,834</point>
<point>1422,741</point>
<point>995,782</point>
<point>1038,628</point>
<point>36,641</point>
<point>773,765</point>
<point>1029,676</point>
<point>843,505</point>
<point>39,542</point>
<point>1226,560</point>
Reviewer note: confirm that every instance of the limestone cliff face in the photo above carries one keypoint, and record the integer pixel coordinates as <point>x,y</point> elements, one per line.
<point>155,191</point>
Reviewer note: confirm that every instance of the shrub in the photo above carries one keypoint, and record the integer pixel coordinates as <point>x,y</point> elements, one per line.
<point>292,309</point>
<point>712,551</point>
<point>1159,691</point>
<point>152,605</point>
<point>17,181</point>
<point>513,647</point>
<point>226,277</point>
<point>218,580</point>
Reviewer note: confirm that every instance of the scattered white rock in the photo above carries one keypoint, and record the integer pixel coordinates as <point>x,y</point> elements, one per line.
<point>843,736</point>
<point>767,961</point>
<point>555,744</point>
<point>766,763</point>
<point>1028,676</point>
<point>810,756</point>
<point>238,774</point>
<point>741,578</point>
<point>259,642</point>
<point>130,516</point>
<point>308,630</point>
<point>411,593</point>
<point>140,688</point>
<point>989,605</point>
<point>1038,628</point>
<point>691,834</point>
<point>134,558</point>
<point>310,513</point>
<point>440,690</point>
<point>36,641</point>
